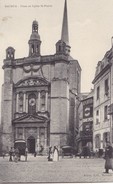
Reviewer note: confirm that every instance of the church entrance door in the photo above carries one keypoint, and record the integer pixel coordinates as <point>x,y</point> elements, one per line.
<point>31,144</point>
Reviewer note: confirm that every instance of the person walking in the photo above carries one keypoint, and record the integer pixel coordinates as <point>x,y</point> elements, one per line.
<point>55,154</point>
<point>108,157</point>
<point>16,155</point>
<point>50,158</point>
<point>10,154</point>
<point>13,153</point>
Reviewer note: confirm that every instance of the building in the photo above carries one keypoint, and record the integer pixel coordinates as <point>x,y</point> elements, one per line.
<point>0,141</point>
<point>85,122</point>
<point>39,94</point>
<point>103,102</point>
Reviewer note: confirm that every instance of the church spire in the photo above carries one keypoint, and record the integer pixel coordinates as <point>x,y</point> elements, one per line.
<point>65,35</point>
<point>62,46</point>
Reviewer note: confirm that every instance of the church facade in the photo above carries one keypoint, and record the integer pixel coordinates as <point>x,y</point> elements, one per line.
<point>39,94</point>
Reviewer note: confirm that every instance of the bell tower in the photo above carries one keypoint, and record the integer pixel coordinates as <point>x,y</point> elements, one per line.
<point>34,42</point>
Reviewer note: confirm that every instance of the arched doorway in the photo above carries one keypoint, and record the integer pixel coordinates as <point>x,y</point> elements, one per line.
<point>31,144</point>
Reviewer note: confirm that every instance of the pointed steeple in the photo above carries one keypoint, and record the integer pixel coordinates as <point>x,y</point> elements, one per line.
<point>62,46</point>
<point>65,35</point>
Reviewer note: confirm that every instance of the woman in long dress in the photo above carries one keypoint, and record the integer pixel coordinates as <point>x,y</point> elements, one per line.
<point>108,158</point>
<point>55,154</point>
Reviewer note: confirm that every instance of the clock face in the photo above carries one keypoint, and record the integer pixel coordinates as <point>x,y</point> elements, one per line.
<point>32,101</point>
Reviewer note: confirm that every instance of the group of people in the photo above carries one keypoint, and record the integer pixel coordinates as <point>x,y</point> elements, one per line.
<point>13,154</point>
<point>53,154</point>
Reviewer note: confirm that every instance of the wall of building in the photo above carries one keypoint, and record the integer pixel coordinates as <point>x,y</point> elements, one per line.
<point>101,125</point>
<point>59,111</point>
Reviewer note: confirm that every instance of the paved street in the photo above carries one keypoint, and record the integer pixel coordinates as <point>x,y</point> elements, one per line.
<point>38,169</point>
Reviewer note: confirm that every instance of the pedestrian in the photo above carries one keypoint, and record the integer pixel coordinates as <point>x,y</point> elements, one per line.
<point>35,153</point>
<point>26,153</point>
<point>13,153</point>
<point>10,154</point>
<point>16,155</point>
<point>41,150</point>
<point>108,157</point>
<point>55,154</point>
<point>3,154</point>
<point>50,158</point>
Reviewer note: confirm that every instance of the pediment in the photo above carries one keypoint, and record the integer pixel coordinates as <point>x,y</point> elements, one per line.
<point>32,81</point>
<point>30,118</point>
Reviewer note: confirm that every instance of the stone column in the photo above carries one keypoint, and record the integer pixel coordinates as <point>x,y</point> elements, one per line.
<point>15,133</point>
<point>17,102</point>
<point>23,133</point>
<point>46,104</point>
<point>38,139</point>
<point>45,138</point>
<point>24,102</point>
<point>39,101</point>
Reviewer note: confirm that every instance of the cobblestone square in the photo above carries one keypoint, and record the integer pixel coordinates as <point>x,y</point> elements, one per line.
<point>38,169</point>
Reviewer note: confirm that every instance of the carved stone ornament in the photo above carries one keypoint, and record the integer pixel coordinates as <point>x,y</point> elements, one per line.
<point>31,131</point>
<point>34,68</point>
<point>31,82</point>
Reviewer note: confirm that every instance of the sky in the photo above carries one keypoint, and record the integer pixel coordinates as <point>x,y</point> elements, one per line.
<point>90,25</point>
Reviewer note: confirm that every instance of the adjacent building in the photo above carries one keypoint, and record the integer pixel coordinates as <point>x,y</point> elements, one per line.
<point>85,122</point>
<point>39,94</point>
<point>103,102</point>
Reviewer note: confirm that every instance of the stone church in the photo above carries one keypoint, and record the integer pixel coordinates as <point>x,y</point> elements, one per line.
<point>39,94</point>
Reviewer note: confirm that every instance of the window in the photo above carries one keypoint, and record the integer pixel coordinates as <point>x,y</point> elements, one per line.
<point>106,87</point>
<point>43,97</point>
<point>32,50</point>
<point>20,102</point>
<point>97,141</point>
<point>105,112</point>
<point>8,54</point>
<point>97,112</point>
<point>59,48</point>
<point>97,117</point>
<point>98,92</point>
<point>106,138</point>
<point>37,48</point>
